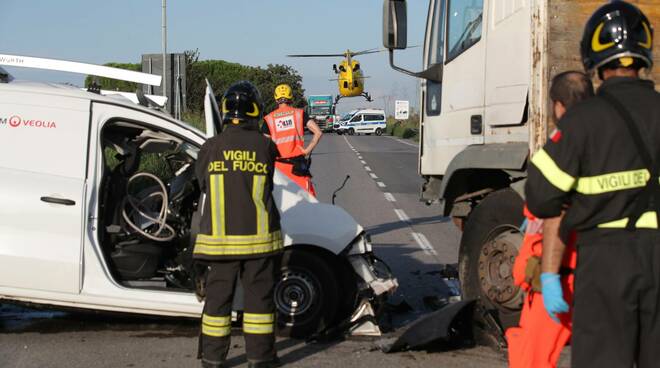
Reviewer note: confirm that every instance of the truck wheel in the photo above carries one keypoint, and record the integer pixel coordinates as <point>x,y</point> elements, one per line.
<point>351,131</point>
<point>306,294</point>
<point>489,245</point>
<point>379,131</point>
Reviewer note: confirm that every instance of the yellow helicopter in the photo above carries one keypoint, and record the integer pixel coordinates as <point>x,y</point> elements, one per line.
<point>351,79</point>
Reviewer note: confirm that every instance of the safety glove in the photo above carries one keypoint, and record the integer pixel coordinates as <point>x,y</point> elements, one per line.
<point>553,296</point>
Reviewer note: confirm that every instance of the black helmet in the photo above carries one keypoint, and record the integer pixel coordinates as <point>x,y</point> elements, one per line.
<point>617,35</point>
<point>241,101</point>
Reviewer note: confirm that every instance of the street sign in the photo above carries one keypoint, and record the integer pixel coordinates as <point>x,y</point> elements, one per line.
<point>401,109</point>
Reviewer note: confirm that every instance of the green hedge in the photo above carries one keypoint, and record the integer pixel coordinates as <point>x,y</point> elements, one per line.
<point>407,129</point>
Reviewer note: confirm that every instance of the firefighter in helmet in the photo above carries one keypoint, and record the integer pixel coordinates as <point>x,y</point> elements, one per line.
<point>240,234</point>
<point>605,163</point>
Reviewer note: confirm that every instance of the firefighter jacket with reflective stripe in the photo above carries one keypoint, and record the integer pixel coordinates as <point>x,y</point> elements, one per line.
<point>286,127</point>
<point>239,216</point>
<point>592,162</point>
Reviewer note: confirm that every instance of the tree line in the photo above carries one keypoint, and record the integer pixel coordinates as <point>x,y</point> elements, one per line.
<point>221,74</point>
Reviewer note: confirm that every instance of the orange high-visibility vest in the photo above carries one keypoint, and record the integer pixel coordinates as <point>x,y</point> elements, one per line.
<point>286,127</point>
<point>538,341</point>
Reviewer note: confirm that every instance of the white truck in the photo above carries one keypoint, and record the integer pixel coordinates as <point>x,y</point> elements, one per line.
<point>99,210</point>
<point>484,102</point>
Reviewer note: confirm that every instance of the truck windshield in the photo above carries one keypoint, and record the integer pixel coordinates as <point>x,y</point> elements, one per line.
<point>320,110</point>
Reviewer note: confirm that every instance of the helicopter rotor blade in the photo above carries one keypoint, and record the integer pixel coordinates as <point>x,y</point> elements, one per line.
<point>376,50</point>
<point>316,55</point>
<point>370,51</point>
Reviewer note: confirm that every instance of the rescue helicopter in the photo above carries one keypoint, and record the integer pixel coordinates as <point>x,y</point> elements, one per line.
<point>350,78</point>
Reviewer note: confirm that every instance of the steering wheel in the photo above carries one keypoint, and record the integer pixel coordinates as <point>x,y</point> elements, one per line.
<point>133,206</point>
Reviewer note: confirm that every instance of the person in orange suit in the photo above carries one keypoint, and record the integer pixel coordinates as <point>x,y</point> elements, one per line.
<point>539,339</point>
<point>285,126</point>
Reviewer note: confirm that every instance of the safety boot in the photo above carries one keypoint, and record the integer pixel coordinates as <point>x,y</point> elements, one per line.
<point>212,365</point>
<point>266,364</point>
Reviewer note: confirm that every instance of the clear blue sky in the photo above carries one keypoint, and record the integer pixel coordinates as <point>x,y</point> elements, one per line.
<point>253,32</point>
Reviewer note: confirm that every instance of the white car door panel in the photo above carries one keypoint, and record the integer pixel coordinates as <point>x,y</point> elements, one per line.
<point>43,160</point>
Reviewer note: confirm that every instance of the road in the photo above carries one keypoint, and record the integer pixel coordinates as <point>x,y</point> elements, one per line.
<point>381,194</point>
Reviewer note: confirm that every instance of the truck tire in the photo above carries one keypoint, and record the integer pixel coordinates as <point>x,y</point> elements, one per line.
<point>306,294</point>
<point>351,131</point>
<point>379,131</point>
<point>489,245</point>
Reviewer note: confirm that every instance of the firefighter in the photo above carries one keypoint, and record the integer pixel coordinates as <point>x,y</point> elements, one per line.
<point>240,230</point>
<point>285,125</point>
<point>606,165</point>
<point>539,339</point>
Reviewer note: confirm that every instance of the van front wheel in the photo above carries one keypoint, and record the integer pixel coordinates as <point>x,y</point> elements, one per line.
<point>379,131</point>
<point>351,131</point>
<point>306,294</point>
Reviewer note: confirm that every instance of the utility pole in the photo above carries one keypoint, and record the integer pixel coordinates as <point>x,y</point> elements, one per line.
<point>164,26</point>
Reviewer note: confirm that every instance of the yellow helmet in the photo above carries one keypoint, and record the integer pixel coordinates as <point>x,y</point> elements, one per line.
<point>283,91</point>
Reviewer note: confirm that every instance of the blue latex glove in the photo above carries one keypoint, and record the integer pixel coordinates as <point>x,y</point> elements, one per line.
<point>553,296</point>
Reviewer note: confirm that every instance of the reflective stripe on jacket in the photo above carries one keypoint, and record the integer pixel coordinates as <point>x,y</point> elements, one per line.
<point>594,163</point>
<point>239,216</point>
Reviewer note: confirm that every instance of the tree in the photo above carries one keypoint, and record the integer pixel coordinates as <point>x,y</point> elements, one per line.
<point>221,74</point>
<point>113,84</point>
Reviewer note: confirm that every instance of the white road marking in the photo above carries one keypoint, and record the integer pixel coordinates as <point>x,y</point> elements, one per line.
<point>363,162</point>
<point>402,215</point>
<point>381,184</point>
<point>373,176</point>
<point>404,142</point>
<point>367,168</point>
<point>424,243</point>
<point>389,197</point>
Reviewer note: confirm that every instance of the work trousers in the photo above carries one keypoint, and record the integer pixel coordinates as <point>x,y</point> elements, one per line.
<point>258,280</point>
<point>616,317</point>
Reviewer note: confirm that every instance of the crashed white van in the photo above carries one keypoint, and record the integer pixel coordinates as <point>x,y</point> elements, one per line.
<point>98,210</point>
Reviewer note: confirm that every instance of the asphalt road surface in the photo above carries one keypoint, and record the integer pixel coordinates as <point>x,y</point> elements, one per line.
<point>382,195</point>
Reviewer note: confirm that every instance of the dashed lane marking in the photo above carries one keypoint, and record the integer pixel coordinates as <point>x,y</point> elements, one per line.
<point>363,162</point>
<point>404,142</point>
<point>367,168</point>
<point>424,243</point>
<point>389,197</point>
<point>402,215</point>
<point>373,176</point>
<point>381,184</point>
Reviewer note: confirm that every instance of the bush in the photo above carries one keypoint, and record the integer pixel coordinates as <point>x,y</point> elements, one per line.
<point>403,128</point>
<point>408,133</point>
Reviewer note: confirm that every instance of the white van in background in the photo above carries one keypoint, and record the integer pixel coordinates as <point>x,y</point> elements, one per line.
<point>365,121</point>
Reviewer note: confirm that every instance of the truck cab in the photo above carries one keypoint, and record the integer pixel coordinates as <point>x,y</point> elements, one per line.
<point>322,109</point>
<point>484,110</point>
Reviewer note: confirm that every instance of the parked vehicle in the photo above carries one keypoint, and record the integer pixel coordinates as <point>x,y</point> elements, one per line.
<point>366,121</point>
<point>484,110</point>
<point>99,208</point>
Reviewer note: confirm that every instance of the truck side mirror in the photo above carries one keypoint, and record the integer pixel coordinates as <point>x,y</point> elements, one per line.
<point>395,24</point>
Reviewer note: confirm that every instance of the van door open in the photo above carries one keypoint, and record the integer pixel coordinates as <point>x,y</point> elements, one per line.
<point>43,162</point>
